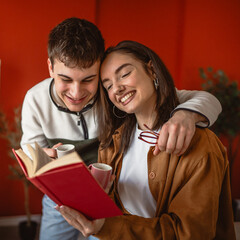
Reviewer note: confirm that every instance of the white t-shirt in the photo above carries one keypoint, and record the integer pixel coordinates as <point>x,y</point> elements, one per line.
<point>133,185</point>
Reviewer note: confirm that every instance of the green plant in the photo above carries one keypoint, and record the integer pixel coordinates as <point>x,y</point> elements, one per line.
<point>227,92</point>
<point>12,132</point>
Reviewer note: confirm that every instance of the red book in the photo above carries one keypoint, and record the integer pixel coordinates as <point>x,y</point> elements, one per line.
<point>67,181</point>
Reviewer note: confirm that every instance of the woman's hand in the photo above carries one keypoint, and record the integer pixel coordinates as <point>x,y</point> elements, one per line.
<point>80,222</point>
<point>176,134</point>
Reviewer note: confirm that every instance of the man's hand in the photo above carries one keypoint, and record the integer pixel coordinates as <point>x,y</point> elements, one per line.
<point>176,134</point>
<point>51,152</point>
<point>80,222</point>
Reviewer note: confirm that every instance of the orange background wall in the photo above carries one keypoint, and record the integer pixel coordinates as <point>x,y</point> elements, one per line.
<point>186,34</point>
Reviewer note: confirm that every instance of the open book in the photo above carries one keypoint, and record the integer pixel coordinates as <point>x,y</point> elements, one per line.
<point>67,181</point>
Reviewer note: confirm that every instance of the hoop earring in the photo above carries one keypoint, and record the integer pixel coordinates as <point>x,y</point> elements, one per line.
<point>156,83</point>
<point>114,113</point>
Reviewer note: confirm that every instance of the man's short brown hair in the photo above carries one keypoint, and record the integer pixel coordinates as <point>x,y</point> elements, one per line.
<point>75,42</point>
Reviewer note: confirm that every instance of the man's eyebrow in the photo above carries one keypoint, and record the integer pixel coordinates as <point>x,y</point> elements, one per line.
<point>65,76</point>
<point>117,71</point>
<point>90,76</point>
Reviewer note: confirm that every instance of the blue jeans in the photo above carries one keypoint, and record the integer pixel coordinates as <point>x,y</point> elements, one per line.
<point>54,226</point>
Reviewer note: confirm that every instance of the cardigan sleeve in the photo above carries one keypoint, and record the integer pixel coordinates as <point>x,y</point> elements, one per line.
<point>200,102</point>
<point>192,211</point>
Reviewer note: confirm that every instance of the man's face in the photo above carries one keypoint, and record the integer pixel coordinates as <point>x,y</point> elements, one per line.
<point>75,86</point>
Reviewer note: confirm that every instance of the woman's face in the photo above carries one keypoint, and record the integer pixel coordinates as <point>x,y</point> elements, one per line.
<point>128,85</point>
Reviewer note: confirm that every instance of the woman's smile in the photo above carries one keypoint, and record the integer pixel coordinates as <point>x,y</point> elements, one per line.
<point>127,98</point>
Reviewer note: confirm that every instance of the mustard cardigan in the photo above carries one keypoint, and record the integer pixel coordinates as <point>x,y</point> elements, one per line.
<point>192,194</point>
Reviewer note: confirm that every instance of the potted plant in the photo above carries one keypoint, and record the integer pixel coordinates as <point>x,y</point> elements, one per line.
<point>12,133</point>
<point>227,125</point>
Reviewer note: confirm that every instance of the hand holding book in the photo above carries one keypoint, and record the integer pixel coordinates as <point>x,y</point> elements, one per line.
<point>67,181</point>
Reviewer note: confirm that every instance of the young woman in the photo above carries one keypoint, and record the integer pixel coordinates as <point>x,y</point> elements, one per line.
<point>162,196</point>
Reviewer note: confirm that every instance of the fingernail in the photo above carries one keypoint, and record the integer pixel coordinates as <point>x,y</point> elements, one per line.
<point>57,207</point>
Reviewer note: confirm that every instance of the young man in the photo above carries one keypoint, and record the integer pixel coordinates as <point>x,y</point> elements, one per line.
<point>61,109</point>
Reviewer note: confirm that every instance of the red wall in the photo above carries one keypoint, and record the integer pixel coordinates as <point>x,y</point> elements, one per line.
<point>158,24</point>
<point>186,34</point>
<point>211,38</point>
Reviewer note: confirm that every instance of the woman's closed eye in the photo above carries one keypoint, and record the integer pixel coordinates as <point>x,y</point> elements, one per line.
<point>125,74</point>
<point>108,87</point>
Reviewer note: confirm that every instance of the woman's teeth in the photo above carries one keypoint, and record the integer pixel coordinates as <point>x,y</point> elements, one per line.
<point>125,98</point>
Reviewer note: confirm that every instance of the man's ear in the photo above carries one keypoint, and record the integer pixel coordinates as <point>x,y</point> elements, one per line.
<point>50,68</point>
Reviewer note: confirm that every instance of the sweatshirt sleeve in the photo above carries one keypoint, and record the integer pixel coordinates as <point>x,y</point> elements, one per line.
<point>192,212</point>
<point>200,102</point>
<point>31,126</point>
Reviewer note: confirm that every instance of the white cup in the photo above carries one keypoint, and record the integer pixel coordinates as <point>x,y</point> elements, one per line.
<point>65,149</point>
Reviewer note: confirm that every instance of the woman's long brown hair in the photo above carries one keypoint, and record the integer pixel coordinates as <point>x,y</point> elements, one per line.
<point>166,96</point>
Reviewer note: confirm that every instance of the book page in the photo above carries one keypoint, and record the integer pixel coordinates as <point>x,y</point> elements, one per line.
<point>31,150</point>
<point>68,159</point>
<point>27,162</point>
<point>40,158</point>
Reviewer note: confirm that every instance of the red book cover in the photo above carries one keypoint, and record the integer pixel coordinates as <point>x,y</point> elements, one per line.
<point>74,186</point>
